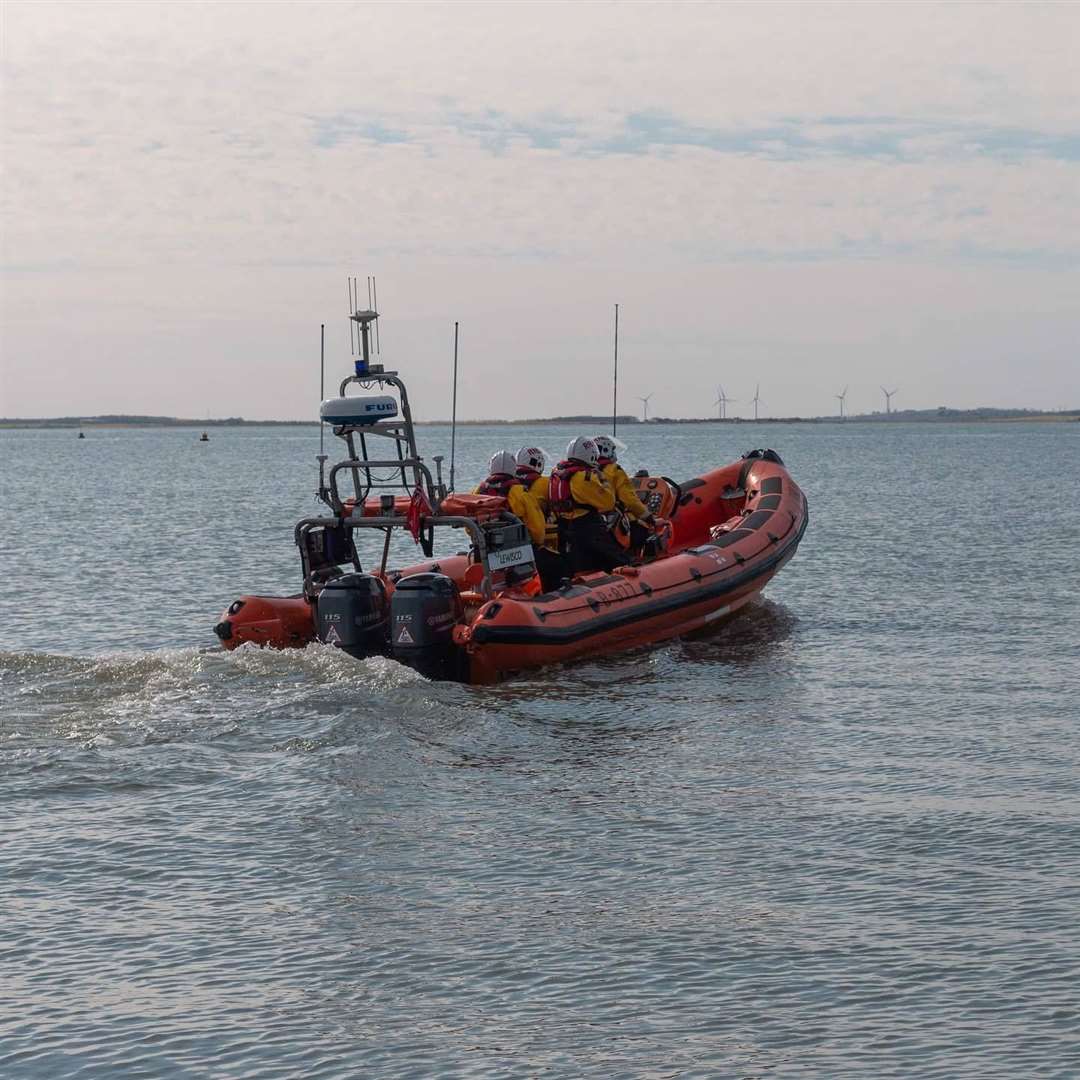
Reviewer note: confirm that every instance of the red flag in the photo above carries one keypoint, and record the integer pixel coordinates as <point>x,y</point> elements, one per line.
<point>419,505</point>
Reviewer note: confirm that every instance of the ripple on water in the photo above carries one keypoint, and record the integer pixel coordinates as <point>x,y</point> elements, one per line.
<point>836,837</point>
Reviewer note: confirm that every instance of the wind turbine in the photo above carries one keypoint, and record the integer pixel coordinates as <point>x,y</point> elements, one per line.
<point>756,399</point>
<point>888,399</point>
<point>645,408</point>
<point>722,400</point>
<point>840,398</point>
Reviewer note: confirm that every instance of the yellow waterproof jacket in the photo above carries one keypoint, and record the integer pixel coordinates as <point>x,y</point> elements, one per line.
<point>538,489</point>
<point>590,492</point>
<point>623,489</point>
<point>525,507</point>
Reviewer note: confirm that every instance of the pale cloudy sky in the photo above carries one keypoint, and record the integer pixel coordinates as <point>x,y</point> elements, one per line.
<point>801,195</point>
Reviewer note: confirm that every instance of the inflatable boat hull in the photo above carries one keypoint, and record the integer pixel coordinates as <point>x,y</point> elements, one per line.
<point>681,594</point>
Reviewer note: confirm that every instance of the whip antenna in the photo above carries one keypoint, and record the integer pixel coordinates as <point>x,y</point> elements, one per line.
<point>375,307</point>
<point>615,381</point>
<point>453,411</point>
<point>350,309</point>
<point>322,397</point>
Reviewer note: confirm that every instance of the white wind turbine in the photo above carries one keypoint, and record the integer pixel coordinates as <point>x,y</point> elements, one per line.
<point>722,400</point>
<point>841,397</point>
<point>756,399</point>
<point>888,399</point>
<point>645,407</point>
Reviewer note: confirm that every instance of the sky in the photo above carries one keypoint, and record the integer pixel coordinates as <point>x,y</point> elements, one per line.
<point>801,196</point>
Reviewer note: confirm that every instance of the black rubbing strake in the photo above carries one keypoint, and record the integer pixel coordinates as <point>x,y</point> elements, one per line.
<point>757,519</point>
<point>731,538</point>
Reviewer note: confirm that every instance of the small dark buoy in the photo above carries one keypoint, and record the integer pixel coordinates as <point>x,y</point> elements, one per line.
<point>204,437</point>
<point>82,435</point>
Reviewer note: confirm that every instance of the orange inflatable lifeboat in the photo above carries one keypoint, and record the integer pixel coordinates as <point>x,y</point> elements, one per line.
<point>728,533</point>
<point>482,615</point>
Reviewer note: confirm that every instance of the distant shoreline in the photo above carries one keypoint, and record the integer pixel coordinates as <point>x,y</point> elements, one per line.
<point>923,416</point>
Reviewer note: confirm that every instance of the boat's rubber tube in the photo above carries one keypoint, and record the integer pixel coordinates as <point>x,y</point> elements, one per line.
<point>764,514</point>
<point>288,622</point>
<point>277,622</point>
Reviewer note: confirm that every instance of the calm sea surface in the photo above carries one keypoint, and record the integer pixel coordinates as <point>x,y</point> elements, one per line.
<point>838,838</point>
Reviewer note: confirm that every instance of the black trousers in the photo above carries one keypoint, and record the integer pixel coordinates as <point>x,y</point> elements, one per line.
<point>552,568</point>
<point>589,544</point>
<point>638,535</point>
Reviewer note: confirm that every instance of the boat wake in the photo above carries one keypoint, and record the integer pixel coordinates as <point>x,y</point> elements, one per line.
<point>134,698</point>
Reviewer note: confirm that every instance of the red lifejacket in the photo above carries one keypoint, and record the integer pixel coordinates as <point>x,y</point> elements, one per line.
<point>498,484</point>
<point>560,497</point>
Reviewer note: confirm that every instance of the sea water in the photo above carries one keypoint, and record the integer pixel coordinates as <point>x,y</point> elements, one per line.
<point>838,837</point>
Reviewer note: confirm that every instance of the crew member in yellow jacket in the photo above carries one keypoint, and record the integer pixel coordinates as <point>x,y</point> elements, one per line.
<point>501,480</point>
<point>579,497</point>
<point>642,522</point>
<point>530,471</point>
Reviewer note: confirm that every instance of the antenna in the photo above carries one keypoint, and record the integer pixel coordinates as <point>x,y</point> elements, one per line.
<point>756,399</point>
<point>888,399</point>
<point>453,411</point>
<point>841,397</point>
<point>615,381</point>
<point>645,407</point>
<point>322,397</point>
<point>375,307</point>
<point>350,308</point>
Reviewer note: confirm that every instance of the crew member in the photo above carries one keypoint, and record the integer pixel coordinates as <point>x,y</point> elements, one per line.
<point>641,520</point>
<point>579,497</point>
<point>530,471</point>
<point>502,481</point>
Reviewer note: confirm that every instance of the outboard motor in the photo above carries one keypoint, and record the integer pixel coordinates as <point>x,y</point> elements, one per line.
<point>353,614</point>
<point>423,611</point>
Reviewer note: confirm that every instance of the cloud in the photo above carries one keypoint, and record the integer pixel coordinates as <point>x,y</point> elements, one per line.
<point>656,132</point>
<point>331,131</point>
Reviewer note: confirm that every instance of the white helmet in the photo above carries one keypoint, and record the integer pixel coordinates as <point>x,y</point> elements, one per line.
<point>605,447</point>
<point>528,457</point>
<point>502,464</point>
<point>582,449</point>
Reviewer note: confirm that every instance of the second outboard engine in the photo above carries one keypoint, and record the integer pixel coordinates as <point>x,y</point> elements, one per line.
<point>352,612</point>
<point>423,611</point>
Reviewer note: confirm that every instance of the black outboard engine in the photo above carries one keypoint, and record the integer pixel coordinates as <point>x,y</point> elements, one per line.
<point>423,611</point>
<point>353,614</point>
